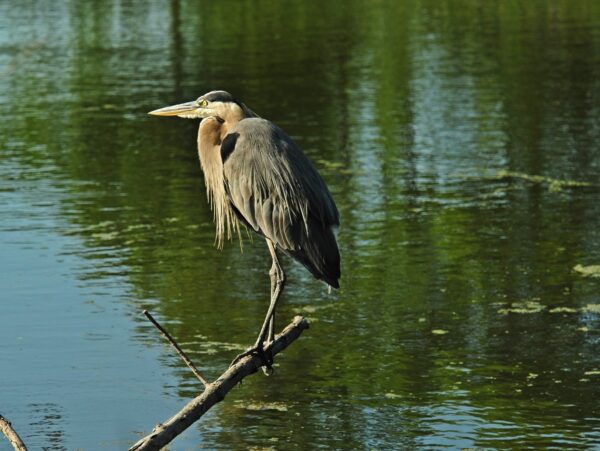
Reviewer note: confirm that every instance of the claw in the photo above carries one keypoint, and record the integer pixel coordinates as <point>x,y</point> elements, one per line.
<point>267,359</point>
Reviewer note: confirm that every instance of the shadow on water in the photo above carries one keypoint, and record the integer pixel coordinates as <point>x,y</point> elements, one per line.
<point>461,321</point>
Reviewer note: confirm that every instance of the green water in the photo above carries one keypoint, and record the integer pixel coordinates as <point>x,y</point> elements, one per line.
<point>461,321</point>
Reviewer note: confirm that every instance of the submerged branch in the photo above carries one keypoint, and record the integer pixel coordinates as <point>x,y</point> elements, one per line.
<point>216,391</point>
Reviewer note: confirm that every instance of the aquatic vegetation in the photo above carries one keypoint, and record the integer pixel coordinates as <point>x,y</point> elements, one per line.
<point>439,332</point>
<point>554,185</point>
<point>563,310</point>
<point>257,405</point>
<point>524,307</point>
<point>588,271</point>
<point>533,306</point>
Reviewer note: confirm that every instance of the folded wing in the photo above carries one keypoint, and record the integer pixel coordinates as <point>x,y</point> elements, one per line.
<point>277,192</point>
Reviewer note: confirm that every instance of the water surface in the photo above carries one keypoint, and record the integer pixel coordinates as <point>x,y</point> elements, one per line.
<point>460,141</point>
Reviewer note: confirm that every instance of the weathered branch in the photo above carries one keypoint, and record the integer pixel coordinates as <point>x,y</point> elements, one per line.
<point>182,354</point>
<point>216,391</point>
<point>11,435</point>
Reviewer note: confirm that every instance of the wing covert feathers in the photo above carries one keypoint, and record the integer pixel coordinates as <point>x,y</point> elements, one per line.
<point>277,192</point>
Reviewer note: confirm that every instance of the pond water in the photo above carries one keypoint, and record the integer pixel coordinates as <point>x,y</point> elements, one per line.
<point>460,141</point>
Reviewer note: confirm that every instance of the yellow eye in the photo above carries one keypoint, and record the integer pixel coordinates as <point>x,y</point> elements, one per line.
<point>203,102</point>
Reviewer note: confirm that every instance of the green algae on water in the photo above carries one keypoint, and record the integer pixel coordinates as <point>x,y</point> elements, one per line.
<point>588,271</point>
<point>592,308</point>
<point>554,185</point>
<point>439,332</point>
<point>563,310</point>
<point>524,307</point>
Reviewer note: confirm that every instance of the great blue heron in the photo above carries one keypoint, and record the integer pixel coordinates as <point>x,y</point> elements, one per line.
<point>256,174</point>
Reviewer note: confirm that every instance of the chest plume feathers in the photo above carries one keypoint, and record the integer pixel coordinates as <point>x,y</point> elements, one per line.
<point>210,136</point>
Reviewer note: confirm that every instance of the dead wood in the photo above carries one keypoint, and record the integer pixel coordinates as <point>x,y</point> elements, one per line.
<point>216,391</point>
<point>180,351</point>
<point>11,435</point>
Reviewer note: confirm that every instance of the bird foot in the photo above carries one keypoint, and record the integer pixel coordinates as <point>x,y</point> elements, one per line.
<point>266,358</point>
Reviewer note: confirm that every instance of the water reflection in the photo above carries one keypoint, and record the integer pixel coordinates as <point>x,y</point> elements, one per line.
<point>461,322</point>
<point>45,426</point>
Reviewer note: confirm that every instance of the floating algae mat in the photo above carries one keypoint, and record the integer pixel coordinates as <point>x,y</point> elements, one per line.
<point>591,308</point>
<point>439,332</point>
<point>258,405</point>
<point>554,185</point>
<point>563,310</point>
<point>588,271</point>
<point>531,306</point>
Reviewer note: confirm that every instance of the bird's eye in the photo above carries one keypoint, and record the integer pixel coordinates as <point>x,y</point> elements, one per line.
<point>203,102</point>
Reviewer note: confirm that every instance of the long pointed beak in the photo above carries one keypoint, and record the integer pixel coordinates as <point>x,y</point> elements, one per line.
<point>188,109</point>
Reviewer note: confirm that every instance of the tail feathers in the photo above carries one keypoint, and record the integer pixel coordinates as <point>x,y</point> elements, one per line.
<point>319,253</point>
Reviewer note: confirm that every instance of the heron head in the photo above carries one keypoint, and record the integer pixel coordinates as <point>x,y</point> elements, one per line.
<point>219,104</point>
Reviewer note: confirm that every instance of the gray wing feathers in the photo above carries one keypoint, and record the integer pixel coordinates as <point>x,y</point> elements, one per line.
<point>279,193</point>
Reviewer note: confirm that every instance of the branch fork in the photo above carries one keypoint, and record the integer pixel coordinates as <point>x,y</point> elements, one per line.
<point>213,391</point>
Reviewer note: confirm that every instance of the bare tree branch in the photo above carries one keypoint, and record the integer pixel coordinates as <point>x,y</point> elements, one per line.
<point>11,435</point>
<point>182,354</point>
<point>216,391</point>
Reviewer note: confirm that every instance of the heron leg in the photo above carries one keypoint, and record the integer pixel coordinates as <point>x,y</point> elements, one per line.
<point>277,278</point>
<point>277,283</point>
<point>268,327</point>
